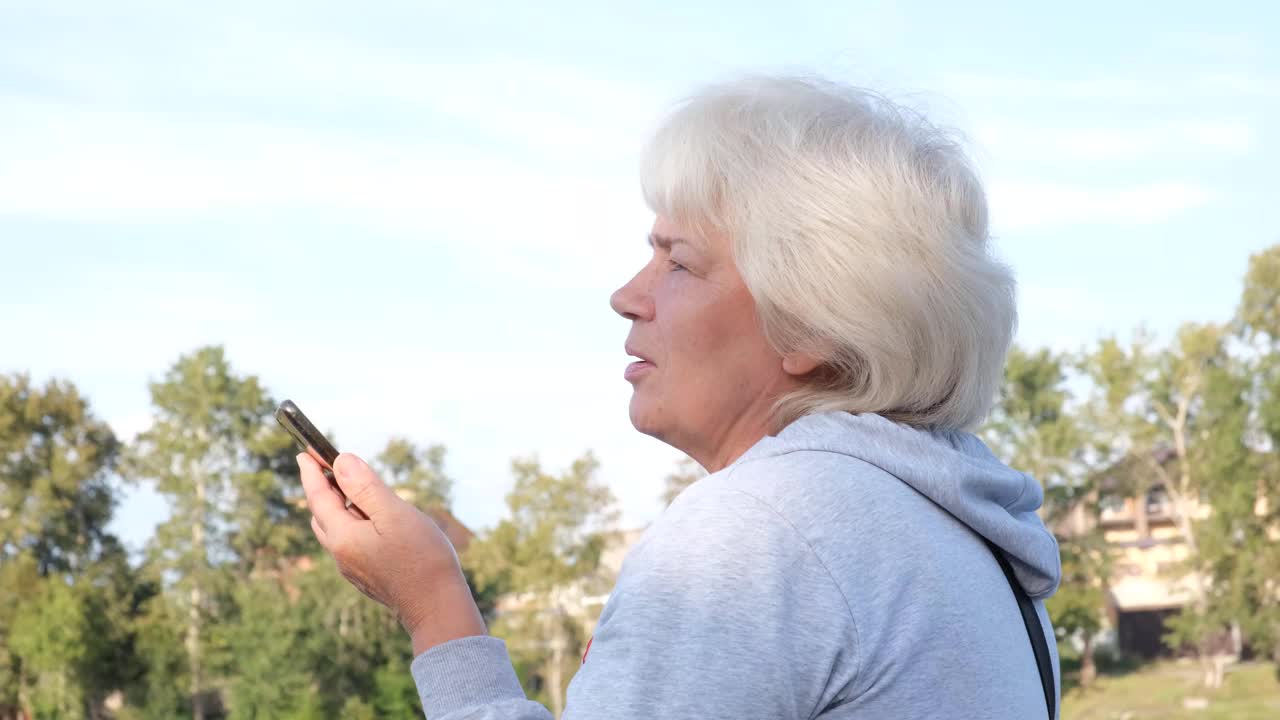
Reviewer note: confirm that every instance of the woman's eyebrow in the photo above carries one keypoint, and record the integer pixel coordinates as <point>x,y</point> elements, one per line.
<point>664,242</point>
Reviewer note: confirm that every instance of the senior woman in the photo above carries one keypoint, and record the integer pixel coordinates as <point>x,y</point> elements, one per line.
<point>820,325</point>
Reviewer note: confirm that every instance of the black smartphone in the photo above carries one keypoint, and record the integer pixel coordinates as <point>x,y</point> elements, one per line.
<point>312,440</point>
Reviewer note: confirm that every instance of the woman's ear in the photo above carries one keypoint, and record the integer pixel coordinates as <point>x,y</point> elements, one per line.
<point>799,363</point>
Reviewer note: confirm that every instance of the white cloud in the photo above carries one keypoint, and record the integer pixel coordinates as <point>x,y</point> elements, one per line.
<point>1077,145</point>
<point>496,148</point>
<point>64,160</point>
<point>1124,87</point>
<point>130,168</point>
<point>127,427</point>
<point>1237,136</point>
<point>1061,317</point>
<point>1003,87</point>
<point>1243,46</point>
<point>1241,83</point>
<point>1022,204</point>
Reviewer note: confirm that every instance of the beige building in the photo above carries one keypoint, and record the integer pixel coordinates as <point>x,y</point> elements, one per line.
<point>1147,583</point>
<point>585,600</point>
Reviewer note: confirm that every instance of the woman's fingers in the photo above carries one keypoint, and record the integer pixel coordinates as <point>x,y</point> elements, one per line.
<point>328,511</point>
<point>362,486</point>
<point>398,556</point>
<point>319,533</point>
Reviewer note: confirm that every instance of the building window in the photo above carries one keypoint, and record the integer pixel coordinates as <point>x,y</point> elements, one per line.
<point>1111,506</point>
<point>1158,503</point>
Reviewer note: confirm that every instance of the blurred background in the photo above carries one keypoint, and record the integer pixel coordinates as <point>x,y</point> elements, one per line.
<point>408,218</point>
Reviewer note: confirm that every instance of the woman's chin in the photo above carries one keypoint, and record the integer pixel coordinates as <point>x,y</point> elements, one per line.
<point>643,416</point>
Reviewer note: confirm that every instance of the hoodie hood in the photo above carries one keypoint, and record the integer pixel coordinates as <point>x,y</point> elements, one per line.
<point>955,470</point>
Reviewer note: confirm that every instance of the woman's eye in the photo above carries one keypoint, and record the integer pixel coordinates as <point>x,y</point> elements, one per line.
<point>675,265</point>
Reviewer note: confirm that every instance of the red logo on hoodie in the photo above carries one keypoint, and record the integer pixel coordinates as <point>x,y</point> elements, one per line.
<point>584,652</point>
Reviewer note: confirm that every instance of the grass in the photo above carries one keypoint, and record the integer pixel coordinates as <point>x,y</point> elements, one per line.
<point>1250,691</point>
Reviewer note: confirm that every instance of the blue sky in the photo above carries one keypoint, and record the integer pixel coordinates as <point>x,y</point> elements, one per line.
<point>451,189</point>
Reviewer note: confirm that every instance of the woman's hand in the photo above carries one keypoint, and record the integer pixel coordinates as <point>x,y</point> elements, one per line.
<point>393,553</point>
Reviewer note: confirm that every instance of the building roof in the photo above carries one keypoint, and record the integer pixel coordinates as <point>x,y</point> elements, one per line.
<point>459,535</point>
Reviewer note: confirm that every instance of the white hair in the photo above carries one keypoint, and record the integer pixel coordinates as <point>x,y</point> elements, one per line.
<point>860,230</point>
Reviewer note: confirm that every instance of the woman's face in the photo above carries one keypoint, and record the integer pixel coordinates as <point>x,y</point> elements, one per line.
<point>706,378</point>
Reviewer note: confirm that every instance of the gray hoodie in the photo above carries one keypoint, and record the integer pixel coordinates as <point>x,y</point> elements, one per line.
<point>834,571</point>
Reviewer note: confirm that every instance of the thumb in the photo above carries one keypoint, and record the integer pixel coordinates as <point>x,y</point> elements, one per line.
<point>361,485</point>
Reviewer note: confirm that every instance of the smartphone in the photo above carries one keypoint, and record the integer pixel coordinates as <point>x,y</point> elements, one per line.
<point>312,440</point>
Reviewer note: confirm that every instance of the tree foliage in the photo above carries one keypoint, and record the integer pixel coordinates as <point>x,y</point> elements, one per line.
<point>65,584</point>
<point>417,474</point>
<point>546,554</point>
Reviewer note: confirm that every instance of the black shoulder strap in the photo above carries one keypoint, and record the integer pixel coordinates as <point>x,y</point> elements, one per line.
<point>1031,620</point>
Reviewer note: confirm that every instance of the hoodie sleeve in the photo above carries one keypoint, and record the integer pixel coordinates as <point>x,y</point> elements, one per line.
<point>472,678</point>
<point>722,611</point>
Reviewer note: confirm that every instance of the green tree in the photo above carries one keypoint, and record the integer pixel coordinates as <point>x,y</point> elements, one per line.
<point>1250,560</point>
<point>65,585</point>
<point>48,634</point>
<point>214,453</point>
<point>160,693</point>
<point>1031,426</point>
<point>55,459</point>
<point>1232,540</point>
<point>416,474</point>
<point>395,693</point>
<point>546,555</point>
<point>1258,314</point>
<point>265,642</point>
<point>350,647</point>
<point>268,524</point>
<point>1173,419</point>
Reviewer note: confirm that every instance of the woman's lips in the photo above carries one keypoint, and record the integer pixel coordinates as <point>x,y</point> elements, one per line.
<point>636,369</point>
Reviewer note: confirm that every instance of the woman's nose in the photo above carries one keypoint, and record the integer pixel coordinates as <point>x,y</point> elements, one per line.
<point>632,301</point>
